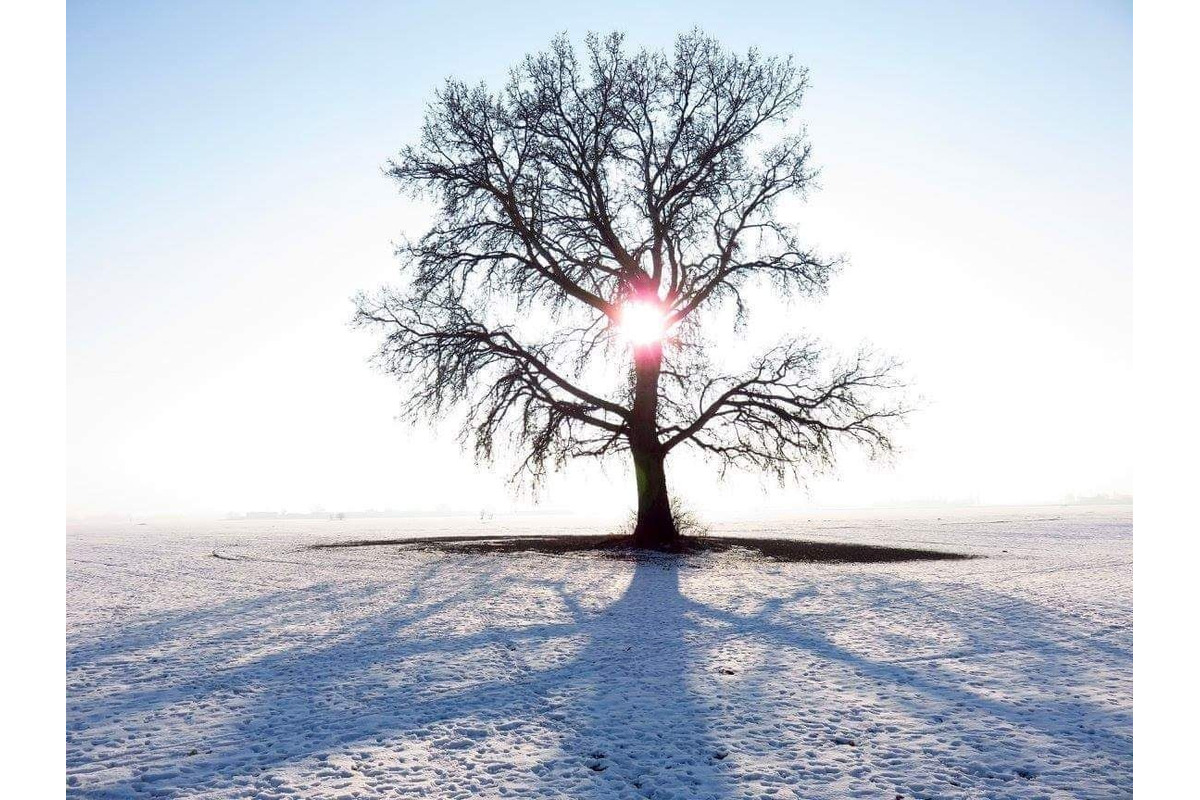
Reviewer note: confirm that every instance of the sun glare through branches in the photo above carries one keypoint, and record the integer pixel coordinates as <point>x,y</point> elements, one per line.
<point>643,322</point>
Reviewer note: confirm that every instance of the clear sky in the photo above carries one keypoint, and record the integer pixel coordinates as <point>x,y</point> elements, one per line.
<point>225,200</point>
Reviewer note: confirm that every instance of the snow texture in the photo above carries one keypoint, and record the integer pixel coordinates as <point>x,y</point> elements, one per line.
<point>274,671</point>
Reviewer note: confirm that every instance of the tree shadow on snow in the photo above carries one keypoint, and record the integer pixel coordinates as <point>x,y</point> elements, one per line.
<point>643,694</point>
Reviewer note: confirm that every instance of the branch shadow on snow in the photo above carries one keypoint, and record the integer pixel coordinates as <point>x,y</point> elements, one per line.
<point>643,693</point>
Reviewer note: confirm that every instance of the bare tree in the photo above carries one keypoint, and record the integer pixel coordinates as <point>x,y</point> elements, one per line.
<point>594,219</point>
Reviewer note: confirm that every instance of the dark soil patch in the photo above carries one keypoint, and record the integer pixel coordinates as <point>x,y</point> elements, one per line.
<point>622,547</point>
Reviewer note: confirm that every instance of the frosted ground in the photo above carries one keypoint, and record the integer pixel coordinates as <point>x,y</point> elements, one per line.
<point>275,671</point>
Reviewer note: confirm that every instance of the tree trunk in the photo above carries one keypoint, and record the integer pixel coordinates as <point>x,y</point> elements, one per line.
<point>655,525</point>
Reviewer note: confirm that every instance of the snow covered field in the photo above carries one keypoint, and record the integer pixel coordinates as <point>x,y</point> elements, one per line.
<point>273,671</point>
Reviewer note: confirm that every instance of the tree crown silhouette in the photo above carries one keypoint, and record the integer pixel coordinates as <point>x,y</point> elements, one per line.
<point>600,187</point>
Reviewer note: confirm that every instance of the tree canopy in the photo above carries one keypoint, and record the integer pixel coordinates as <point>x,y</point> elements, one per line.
<point>591,185</point>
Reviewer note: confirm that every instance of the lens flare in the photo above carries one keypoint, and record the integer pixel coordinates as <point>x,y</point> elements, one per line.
<point>643,322</point>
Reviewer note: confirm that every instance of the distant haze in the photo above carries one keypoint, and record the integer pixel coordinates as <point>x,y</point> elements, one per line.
<point>225,200</point>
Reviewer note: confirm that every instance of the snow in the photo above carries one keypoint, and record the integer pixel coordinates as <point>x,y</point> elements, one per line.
<point>275,671</point>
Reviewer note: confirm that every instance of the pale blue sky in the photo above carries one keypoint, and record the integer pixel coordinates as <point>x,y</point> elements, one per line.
<point>224,200</point>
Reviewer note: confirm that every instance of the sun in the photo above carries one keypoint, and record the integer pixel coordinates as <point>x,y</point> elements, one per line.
<point>643,322</point>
